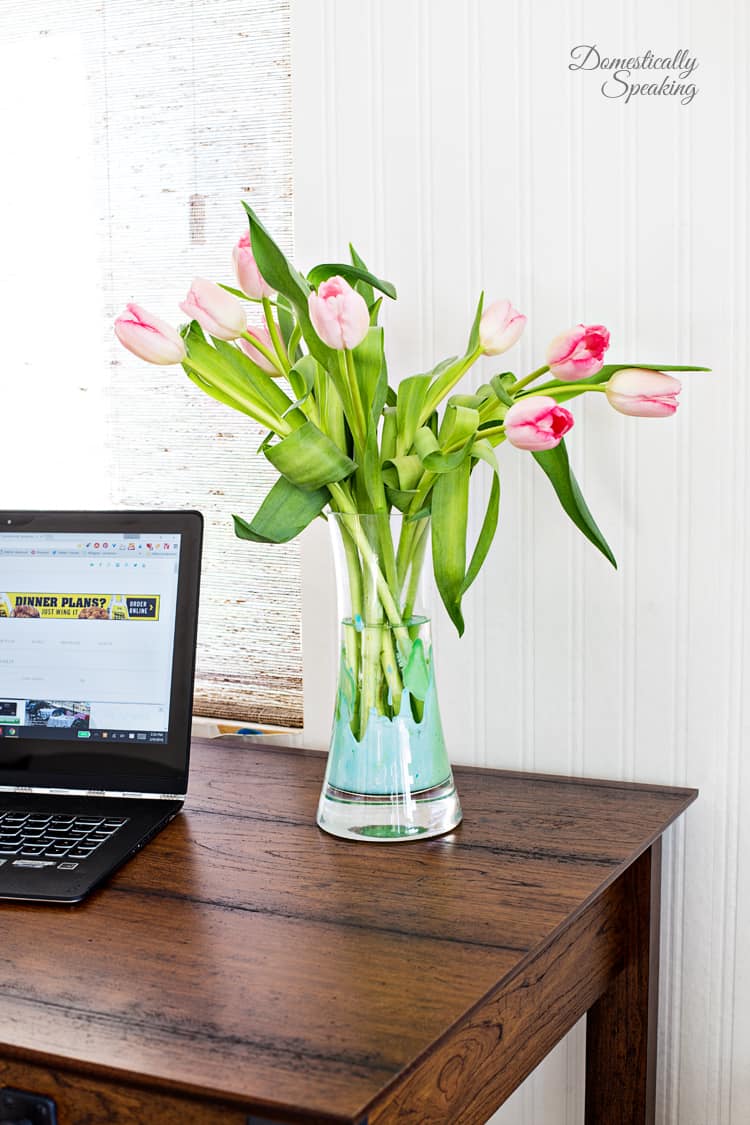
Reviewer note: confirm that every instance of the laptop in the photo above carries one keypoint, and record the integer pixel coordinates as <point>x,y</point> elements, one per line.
<point>98,619</point>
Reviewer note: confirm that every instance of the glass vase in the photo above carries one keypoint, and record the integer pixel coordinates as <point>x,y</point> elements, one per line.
<point>388,777</point>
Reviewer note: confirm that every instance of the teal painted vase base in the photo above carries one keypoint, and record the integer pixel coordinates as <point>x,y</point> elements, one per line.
<point>388,778</point>
<point>394,783</point>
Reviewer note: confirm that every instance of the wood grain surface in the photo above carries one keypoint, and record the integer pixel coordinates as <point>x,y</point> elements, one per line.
<point>621,1070</point>
<point>247,959</point>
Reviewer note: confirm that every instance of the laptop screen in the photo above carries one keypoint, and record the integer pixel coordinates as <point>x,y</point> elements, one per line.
<point>87,629</point>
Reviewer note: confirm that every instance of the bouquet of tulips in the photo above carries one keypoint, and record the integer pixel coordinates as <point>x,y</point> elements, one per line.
<point>311,369</point>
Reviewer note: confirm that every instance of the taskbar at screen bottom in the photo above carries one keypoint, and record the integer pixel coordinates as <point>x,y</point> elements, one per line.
<point>66,734</point>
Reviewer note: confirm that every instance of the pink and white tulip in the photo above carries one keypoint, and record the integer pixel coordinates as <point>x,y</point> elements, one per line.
<point>219,313</point>
<point>148,337</point>
<point>579,352</point>
<point>249,277</point>
<point>500,327</point>
<point>256,356</point>
<point>642,393</point>
<point>537,423</point>
<point>339,314</point>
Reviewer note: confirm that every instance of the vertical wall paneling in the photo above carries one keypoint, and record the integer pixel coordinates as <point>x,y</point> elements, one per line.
<point>453,145</point>
<point>736,1023</point>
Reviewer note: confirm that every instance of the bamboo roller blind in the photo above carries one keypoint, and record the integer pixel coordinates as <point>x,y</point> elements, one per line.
<point>189,108</point>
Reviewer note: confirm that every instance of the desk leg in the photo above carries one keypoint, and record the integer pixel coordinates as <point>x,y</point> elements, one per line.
<point>621,1026</point>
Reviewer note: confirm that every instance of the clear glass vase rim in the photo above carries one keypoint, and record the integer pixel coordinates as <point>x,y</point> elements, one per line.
<point>395,514</point>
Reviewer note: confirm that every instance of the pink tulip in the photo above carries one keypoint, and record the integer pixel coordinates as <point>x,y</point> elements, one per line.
<point>218,312</point>
<point>500,327</point>
<point>645,394</point>
<point>264,336</point>
<point>578,353</point>
<point>246,269</point>
<point>537,422</point>
<point>148,337</point>
<point>339,314</point>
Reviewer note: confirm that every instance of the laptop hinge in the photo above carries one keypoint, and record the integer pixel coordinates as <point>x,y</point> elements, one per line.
<point>40,791</point>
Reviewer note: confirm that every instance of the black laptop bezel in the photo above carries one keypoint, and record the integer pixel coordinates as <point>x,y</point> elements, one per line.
<point>55,765</point>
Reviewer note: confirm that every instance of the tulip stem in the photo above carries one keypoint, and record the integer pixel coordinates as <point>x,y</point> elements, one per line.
<point>262,301</point>
<point>446,382</point>
<point>577,387</point>
<point>278,343</point>
<point>493,431</point>
<point>230,392</point>
<point>264,351</point>
<point>349,394</point>
<point>528,379</point>
<point>351,372</point>
<point>294,340</point>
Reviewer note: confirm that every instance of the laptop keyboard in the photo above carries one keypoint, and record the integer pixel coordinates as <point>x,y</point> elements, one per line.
<point>36,839</point>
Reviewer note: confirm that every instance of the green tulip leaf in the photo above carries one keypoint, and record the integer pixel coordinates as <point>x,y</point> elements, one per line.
<point>302,379</point>
<point>499,388</point>
<point>403,473</point>
<point>286,280</point>
<point>446,452</point>
<point>389,435</point>
<point>215,393</point>
<point>474,402</point>
<point>409,402</point>
<point>483,451</point>
<point>446,376</point>
<point>233,378</point>
<point>372,372</point>
<point>234,292</point>
<point>309,459</point>
<point>374,309</point>
<point>425,442</point>
<point>495,400</point>
<point>273,265</point>
<point>371,471</point>
<point>473,343</point>
<point>363,287</point>
<point>439,462</point>
<point>285,512</point>
<point>556,465</point>
<point>459,424</point>
<point>263,385</point>
<point>450,515</point>
<point>286,319</point>
<point>330,409</point>
<point>450,518</point>
<point>352,274</point>
<point>398,499</point>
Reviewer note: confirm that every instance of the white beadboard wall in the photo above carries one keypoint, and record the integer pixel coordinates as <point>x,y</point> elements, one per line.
<point>452,145</point>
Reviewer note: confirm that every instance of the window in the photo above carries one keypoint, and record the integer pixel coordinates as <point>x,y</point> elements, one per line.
<point>135,132</point>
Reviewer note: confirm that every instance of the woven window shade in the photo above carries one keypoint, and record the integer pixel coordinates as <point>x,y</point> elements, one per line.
<point>189,112</point>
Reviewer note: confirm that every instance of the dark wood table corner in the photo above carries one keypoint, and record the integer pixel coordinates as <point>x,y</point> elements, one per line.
<point>246,966</point>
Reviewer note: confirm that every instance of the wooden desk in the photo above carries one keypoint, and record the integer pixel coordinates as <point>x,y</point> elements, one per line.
<point>247,964</point>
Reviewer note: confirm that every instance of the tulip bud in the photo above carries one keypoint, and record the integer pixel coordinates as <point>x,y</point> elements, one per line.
<point>248,275</point>
<point>643,393</point>
<point>257,357</point>
<point>219,313</point>
<point>578,353</point>
<point>148,337</point>
<point>339,314</point>
<point>500,327</point>
<point>537,423</point>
